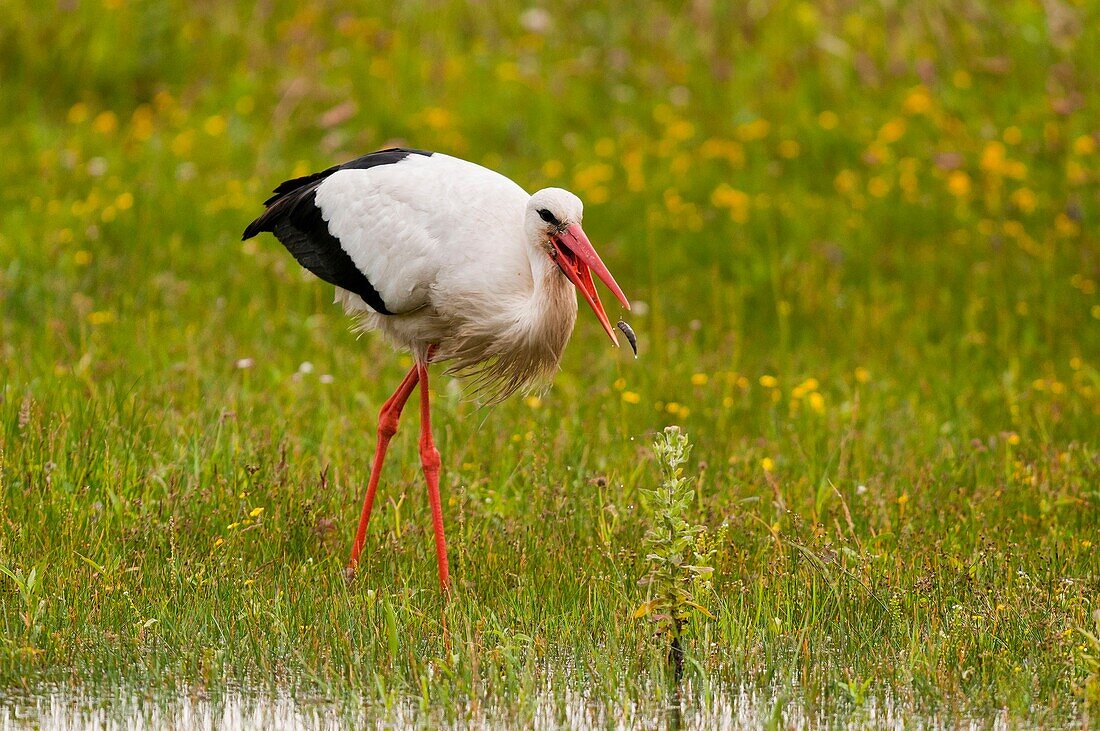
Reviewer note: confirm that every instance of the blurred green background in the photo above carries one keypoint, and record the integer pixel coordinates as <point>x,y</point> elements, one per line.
<point>863,239</point>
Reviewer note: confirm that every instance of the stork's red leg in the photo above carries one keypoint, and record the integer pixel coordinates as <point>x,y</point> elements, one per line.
<point>387,427</point>
<point>429,458</point>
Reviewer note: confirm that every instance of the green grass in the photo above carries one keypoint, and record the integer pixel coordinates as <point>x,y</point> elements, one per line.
<point>865,236</point>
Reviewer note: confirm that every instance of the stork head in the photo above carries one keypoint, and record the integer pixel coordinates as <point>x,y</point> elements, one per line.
<point>554,222</point>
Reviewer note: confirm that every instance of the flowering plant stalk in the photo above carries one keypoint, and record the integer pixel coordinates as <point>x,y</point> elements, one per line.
<point>678,564</point>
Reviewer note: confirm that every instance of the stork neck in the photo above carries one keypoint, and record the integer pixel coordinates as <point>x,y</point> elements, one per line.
<point>553,303</point>
<point>550,284</point>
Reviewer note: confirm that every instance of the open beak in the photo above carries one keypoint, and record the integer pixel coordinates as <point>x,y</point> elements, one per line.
<point>578,260</point>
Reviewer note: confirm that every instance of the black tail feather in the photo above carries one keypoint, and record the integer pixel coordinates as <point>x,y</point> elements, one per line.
<point>299,223</point>
<point>299,188</point>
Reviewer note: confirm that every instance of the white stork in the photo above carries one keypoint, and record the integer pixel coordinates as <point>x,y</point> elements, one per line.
<point>452,261</point>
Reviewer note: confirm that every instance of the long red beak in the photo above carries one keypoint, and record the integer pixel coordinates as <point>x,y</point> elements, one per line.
<point>577,259</point>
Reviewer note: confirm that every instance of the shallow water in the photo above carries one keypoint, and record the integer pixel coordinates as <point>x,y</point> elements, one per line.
<point>59,709</point>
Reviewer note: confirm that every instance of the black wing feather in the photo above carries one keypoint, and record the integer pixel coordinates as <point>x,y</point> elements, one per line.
<point>296,220</point>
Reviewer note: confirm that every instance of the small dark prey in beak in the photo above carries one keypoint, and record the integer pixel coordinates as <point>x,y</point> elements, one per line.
<point>630,336</point>
<point>574,255</point>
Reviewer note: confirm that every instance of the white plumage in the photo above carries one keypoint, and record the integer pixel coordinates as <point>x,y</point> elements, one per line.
<point>409,224</point>
<point>444,242</point>
<point>451,260</point>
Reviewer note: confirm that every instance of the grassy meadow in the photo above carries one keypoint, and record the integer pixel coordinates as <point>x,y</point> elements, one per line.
<point>862,237</point>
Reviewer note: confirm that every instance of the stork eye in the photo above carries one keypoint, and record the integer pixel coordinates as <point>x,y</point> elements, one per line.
<point>549,217</point>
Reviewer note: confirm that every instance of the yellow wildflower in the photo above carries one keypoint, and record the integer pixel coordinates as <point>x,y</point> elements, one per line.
<point>918,101</point>
<point>633,165</point>
<point>729,150</point>
<point>590,176</point>
<point>846,181</point>
<point>1084,145</point>
<point>1066,226</point>
<point>699,379</point>
<point>215,125</point>
<point>993,157</point>
<point>183,142</point>
<point>959,184</point>
<point>680,130</point>
<point>631,398</point>
<point>599,194</point>
<point>105,122</point>
<point>767,464</point>
<point>1076,173</point>
<point>735,200</point>
<point>162,100</point>
<point>1024,199</point>
<point>892,130</point>
<point>552,168</point>
<point>437,118</point>
<point>789,149</point>
<point>1013,229</point>
<point>101,317</point>
<point>141,122</point>
<point>807,15</point>
<point>878,186</point>
<point>78,113</point>
<point>755,130</point>
<point>769,381</point>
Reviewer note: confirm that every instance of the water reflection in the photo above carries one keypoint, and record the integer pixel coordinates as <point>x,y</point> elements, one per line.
<point>551,709</point>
